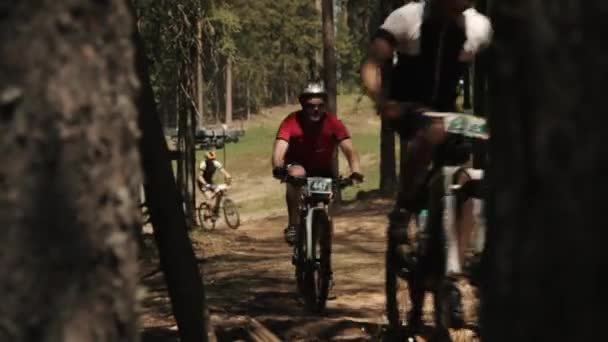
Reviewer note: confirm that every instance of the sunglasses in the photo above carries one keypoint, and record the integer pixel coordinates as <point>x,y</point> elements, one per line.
<point>314,106</point>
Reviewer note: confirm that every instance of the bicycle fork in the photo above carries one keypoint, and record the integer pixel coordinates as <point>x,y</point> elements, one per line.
<point>453,263</point>
<point>309,232</point>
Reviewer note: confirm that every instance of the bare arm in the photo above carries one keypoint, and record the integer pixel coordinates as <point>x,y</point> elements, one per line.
<point>279,150</point>
<point>227,176</point>
<point>225,173</point>
<point>352,156</point>
<point>381,51</point>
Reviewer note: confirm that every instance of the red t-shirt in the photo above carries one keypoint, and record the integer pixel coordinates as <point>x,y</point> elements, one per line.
<point>312,144</point>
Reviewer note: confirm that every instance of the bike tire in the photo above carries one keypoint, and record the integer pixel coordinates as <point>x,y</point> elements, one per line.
<point>317,272</point>
<point>231,213</point>
<point>300,260</point>
<point>205,217</point>
<point>397,296</point>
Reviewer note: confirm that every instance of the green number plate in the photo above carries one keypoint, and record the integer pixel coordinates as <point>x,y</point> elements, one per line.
<point>463,124</point>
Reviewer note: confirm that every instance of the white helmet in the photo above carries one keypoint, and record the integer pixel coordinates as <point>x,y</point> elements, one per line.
<point>313,89</point>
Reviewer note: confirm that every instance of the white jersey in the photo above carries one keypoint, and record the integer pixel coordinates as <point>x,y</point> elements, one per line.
<point>405,22</point>
<point>217,164</point>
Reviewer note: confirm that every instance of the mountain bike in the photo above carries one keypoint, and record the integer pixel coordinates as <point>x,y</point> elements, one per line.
<point>209,210</point>
<point>312,250</point>
<point>449,183</point>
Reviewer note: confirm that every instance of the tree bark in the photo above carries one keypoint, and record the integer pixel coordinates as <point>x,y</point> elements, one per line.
<point>388,164</point>
<point>199,76</point>
<point>546,249</point>
<point>177,258</point>
<point>70,172</point>
<point>329,54</point>
<point>330,69</point>
<point>217,102</point>
<point>228,117</point>
<point>248,98</point>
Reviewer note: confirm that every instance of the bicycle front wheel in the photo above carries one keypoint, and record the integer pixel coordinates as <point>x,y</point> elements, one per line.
<point>231,214</point>
<point>317,269</point>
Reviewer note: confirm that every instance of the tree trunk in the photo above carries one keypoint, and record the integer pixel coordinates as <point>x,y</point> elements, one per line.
<point>388,164</point>
<point>70,172</point>
<point>199,76</point>
<point>546,249</point>
<point>177,257</point>
<point>248,98</point>
<point>228,117</point>
<point>285,84</point>
<point>329,67</point>
<point>217,102</point>
<point>329,54</point>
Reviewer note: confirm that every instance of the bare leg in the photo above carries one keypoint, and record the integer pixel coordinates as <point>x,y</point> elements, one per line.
<point>292,195</point>
<point>413,173</point>
<point>419,157</point>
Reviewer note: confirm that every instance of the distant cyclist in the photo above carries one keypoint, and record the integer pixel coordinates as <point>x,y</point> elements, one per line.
<point>208,169</point>
<point>305,146</point>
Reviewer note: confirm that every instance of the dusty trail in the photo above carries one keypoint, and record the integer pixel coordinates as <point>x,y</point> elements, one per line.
<point>248,273</point>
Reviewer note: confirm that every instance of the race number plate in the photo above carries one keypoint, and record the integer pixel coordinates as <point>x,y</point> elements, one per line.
<point>463,124</point>
<point>319,185</point>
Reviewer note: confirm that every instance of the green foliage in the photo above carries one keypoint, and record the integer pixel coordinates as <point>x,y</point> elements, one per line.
<point>275,47</point>
<point>350,57</point>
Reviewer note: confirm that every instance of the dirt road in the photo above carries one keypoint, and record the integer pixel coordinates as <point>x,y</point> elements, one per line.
<point>248,273</point>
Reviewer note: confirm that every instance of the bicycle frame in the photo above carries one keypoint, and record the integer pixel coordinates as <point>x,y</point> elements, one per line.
<point>218,193</point>
<point>310,210</point>
<point>314,201</point>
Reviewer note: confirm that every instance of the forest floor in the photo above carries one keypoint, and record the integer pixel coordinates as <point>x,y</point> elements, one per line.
<point>248,274</point>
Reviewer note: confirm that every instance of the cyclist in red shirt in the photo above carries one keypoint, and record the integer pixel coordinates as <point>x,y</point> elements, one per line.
<point>305,145</point>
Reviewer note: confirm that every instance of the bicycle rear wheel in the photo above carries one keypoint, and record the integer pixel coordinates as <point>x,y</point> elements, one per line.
<point>231,214</point>
<point>206,218</point>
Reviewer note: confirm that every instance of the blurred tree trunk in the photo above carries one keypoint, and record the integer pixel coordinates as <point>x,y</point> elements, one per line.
<point>70,174</point>
<point>546,254</point>
<point>177,258</point>
<point>217,102</point>
<point>329,54</point>
<point>248,97</point>
<point>330,69</point>
<point>228,117</point>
